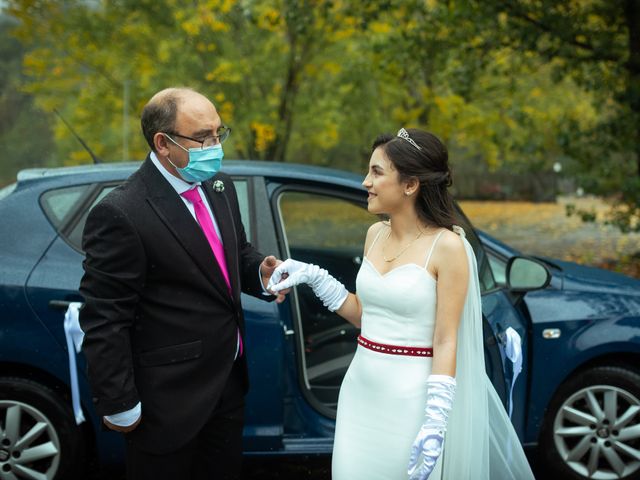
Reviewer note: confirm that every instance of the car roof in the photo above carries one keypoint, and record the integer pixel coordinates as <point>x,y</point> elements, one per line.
<point>121,170</point>
<point>35,173</point>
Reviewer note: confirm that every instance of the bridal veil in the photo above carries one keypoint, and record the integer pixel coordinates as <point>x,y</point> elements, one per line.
<point>480,443</point>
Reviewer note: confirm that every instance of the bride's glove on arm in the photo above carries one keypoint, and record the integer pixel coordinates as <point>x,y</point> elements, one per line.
<point>329,290</point>
<point>429,442</point>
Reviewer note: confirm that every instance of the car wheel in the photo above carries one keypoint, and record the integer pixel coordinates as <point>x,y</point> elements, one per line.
<point>592,428</point>
<point>38,434</point>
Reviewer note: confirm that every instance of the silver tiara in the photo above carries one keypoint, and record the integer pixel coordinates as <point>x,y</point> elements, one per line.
<point>402,133</point>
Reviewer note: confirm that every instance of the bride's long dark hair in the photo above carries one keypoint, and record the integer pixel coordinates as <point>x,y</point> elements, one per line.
<point>430,165</point>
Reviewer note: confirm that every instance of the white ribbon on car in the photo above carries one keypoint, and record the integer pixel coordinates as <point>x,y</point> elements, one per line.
<point>74,335</point>
<point>513,351</point>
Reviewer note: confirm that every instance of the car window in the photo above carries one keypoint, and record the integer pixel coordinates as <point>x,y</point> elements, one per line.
<point>328,231</point>
<point>74,237</point>
<point>487,282</point>
<point>242,188</point>
<point>320,221</point>
<point>60,203</point>
<point>498,267</point>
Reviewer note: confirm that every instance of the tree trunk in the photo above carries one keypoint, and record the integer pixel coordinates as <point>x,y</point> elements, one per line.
<point>285,112</point>
<point>277,150</point>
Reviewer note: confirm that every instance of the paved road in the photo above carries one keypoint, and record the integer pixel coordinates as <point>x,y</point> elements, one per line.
<point>313,468</point>
<point>320,469</point>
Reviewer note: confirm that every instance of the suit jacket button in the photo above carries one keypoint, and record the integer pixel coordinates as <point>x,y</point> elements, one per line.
<point>95,399</point>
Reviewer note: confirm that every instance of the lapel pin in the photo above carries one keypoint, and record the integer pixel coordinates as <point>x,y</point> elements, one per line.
<point>218,186</point>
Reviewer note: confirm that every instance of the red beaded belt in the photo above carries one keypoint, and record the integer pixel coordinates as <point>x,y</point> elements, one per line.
<point>395,349</point>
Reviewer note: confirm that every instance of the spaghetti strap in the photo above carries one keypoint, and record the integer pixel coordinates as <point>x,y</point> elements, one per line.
<point>433,246</point>
<point>374,242</point>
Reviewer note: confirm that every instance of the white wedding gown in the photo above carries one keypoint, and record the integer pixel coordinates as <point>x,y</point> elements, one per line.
<point>382,398</point>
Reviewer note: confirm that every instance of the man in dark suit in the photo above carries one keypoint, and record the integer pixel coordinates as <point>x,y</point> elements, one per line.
<point>166,261</point>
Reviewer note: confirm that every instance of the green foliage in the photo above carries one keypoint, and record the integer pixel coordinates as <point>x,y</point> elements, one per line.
<point>515,86</point>
<point>24,129</point>
<point>597,44</point>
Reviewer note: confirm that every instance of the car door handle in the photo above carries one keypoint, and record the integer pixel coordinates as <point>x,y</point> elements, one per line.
<point>59,304</point>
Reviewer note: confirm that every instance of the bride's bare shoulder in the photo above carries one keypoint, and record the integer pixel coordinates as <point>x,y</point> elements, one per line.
<point>372,232</point>
<point>450,243</point>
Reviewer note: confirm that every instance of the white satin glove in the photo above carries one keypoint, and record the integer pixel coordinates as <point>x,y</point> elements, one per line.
<point>429,441</point>
<point>330,291</point>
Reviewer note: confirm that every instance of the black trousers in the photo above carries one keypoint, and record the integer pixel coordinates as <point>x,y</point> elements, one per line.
<point>214,454</point>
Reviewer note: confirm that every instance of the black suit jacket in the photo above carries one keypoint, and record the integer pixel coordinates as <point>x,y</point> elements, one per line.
<point>160,326</point>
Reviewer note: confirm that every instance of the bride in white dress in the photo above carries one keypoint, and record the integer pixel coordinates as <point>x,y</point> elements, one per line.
<point>418,371</point>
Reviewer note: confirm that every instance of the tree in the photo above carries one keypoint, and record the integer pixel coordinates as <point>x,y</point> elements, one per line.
<point>312,81</point>
<point>25,132</point>
<point>597,43</point>
<point>443,68</point>
<point>84,55</point>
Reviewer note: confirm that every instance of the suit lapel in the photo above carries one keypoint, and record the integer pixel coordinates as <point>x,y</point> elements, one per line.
<point>174,214</point>
<point>221,209</point>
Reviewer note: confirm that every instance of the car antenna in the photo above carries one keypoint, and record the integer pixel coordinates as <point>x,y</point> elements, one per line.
<point>86,147</point>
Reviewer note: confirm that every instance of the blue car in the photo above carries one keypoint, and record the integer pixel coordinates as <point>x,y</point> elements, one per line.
<point>577,397</point>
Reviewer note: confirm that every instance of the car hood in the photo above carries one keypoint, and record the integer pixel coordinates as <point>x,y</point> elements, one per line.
<point>581,278</point>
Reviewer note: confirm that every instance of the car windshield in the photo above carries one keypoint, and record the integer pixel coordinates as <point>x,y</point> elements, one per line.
<point>8,190</point>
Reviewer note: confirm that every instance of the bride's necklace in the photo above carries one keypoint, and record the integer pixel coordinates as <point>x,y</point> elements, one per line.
<point>388,260</point>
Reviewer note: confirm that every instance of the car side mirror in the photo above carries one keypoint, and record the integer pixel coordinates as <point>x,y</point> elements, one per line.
<point>525,274</point>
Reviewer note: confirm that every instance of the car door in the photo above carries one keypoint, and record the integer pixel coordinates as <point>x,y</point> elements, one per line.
<point>328,229</point>
<point>501,311</point>
<point>55,279</point>
<point>266,329</point>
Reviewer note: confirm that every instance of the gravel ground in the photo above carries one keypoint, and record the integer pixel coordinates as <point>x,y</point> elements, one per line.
<point>545,229</point>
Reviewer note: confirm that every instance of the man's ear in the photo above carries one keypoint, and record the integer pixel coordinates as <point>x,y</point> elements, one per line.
<point>161,143</point>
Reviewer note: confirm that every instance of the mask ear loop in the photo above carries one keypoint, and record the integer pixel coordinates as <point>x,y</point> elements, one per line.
<point>175,143</point>
<point>174,165</point>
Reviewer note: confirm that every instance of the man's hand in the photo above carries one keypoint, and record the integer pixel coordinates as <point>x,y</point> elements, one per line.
<point>117,428</point>
<point>267,267</point>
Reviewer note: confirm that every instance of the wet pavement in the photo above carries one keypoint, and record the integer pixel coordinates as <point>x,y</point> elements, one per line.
<point>308,468</point>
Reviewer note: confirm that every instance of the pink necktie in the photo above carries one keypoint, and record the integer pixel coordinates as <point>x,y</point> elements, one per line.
<point>204,219</point>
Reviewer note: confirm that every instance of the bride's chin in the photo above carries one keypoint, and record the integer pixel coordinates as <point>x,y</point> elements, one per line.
<point>374,210</point>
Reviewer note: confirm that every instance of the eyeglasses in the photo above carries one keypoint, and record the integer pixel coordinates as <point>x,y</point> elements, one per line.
<point>208,141</point>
